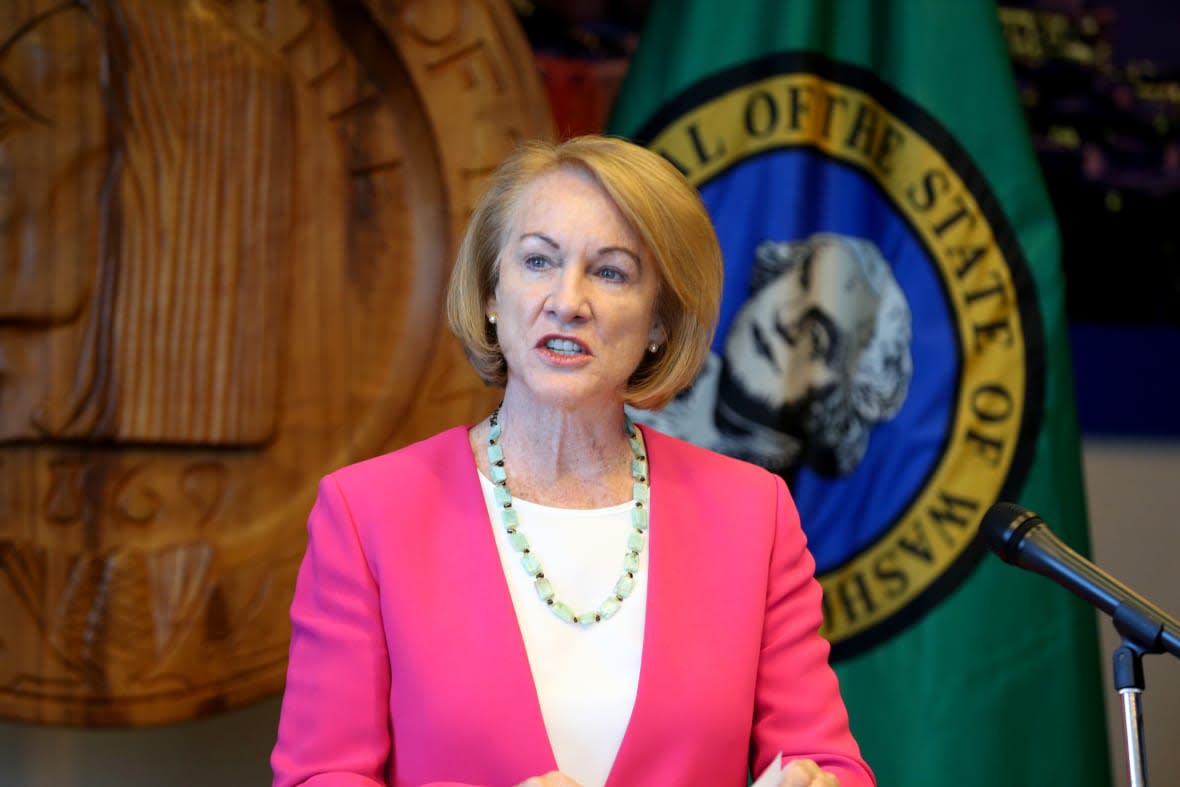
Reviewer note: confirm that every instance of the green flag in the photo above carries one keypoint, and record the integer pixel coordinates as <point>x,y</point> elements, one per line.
<point>892,341</point>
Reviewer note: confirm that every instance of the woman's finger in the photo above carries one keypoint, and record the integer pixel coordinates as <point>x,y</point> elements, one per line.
<point>805,773</point>
<point>551,779</point>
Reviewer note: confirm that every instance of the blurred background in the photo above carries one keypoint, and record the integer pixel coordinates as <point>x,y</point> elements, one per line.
<point>1100,83</point>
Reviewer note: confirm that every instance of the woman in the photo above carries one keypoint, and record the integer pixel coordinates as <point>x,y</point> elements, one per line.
<point>523,599</point>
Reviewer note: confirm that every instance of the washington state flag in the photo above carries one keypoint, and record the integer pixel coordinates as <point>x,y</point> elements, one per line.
<point>892,342</point>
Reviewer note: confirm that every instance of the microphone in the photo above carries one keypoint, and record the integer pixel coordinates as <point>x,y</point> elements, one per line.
<point>1022,538</point>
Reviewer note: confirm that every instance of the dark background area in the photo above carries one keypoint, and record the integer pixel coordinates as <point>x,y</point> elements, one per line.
<point>1100,85</point>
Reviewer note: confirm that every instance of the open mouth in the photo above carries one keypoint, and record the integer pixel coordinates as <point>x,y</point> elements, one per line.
<point>564,347</point>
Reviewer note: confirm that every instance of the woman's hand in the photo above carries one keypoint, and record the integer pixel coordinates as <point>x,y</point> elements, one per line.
<point>557,779</point>
<point>805,773</point>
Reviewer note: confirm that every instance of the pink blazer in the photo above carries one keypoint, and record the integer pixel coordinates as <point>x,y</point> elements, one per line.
<point>407,665</point>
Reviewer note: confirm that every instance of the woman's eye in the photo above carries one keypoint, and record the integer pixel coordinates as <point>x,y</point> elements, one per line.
<point>611,274</point>
<point>535,262</point>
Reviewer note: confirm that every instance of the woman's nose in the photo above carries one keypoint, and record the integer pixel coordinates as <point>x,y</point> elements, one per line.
<point>568,302</point>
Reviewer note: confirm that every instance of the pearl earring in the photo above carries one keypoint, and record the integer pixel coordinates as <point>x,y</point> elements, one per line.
<point>651,348</point>
<point>492,318</point>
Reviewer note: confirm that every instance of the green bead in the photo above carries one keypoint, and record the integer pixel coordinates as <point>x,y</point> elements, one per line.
<point>494,432</point>
<point>640,492</point>
<point>609,607</point>
<point>631,562</point>
<point>635,541</point>
<point>495,453</point>
<point>624,586</point>
<point>498,474</point>
<point>508,517</point>
<point>544,588</point>
<point>562,611</point>
<point>639,519</point>
<point>517,541</point>
<point>587,618</point>
<point>638,469</point>
<point>502,495</point>
<point>532,566</point>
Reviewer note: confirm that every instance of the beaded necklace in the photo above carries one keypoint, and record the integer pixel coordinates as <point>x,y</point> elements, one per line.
<point>532,565</point>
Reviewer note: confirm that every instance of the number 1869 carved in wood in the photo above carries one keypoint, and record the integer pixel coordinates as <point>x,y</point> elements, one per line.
<point>225,231</point>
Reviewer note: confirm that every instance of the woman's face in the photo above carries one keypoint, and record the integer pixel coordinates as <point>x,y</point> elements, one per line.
<point>575,299</point>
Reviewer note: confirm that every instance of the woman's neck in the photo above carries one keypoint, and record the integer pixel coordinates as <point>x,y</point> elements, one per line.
<point>572,458</point>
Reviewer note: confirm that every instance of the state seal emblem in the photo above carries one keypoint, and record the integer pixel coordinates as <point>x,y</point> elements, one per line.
<point>880,344</point>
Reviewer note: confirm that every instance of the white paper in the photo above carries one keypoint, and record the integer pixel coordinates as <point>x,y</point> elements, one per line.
<point>773,775</point>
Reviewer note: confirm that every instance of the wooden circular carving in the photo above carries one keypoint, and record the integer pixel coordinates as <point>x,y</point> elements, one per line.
<point>227,226</point>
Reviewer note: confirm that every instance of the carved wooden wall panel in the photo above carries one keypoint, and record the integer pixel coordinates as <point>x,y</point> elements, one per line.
<point>225,231</point>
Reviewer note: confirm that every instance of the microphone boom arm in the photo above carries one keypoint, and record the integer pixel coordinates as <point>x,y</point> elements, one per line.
<point>1022,538</point>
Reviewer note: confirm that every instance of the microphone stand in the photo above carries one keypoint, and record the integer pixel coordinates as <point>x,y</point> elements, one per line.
<point>1141,632</point>
<point>1128,682</point>
<point>1022,538</point>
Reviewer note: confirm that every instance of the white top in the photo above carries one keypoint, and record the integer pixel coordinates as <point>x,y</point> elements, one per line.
<point>586,677</point>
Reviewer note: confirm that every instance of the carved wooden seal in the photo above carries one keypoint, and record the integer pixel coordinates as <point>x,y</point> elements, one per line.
<point>226,231</point>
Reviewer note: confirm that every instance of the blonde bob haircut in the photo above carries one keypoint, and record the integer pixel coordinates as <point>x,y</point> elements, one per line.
<point>660,205</point>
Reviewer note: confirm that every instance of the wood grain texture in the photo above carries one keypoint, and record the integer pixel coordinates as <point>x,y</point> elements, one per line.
<point>226,231</point>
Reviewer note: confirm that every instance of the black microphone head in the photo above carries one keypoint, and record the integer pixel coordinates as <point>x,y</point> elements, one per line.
<point>1004,527</point>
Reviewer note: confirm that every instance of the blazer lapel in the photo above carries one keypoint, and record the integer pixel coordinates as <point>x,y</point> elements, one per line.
<point>507,692</point>
<point>671,610</point>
